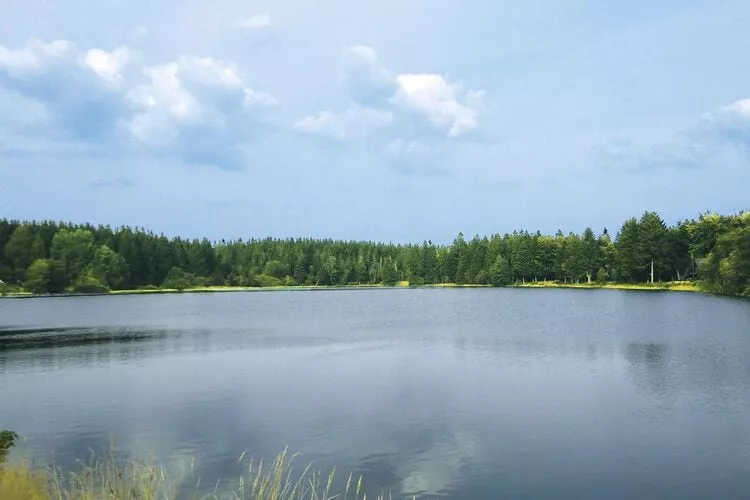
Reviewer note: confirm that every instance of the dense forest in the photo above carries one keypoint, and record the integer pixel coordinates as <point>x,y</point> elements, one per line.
<point>48,257</point>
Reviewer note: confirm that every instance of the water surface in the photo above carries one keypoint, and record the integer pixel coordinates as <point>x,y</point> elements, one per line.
<point>481,393</point>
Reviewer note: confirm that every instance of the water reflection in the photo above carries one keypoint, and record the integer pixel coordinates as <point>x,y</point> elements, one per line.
<point>69,347</point>
<point>70,337</point>
<point>650,367</point>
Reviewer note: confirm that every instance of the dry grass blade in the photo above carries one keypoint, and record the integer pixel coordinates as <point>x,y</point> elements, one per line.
<point>113,477</point>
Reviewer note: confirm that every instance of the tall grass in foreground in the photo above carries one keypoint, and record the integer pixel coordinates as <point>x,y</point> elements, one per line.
<point>109,478</point>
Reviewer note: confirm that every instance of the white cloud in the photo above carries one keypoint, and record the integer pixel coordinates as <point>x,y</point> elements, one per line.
<point>79,103</point>
<point>191,88</point>
<point>354,123</point>
<point>198,108</point>
<point>368,81</point>
<point>107,64</point>
<point>36,56</point>
<point>258,99</point>
<point>165,95</point>
<point>154,130</point>
<point>364,60</point>
<point>438,99</point>
<point>255,22</point>
<point>737,110</point>
<point>363,53</point>
<point>211,72</point>
<point>729,124</point>
<point>475,98</point>
<point>717,137</point>
<point>377,93</point>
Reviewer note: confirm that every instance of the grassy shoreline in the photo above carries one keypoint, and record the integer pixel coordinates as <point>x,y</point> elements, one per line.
<point>674,286</point>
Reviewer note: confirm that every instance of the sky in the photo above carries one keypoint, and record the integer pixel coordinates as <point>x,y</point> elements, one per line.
<point>400,121</point>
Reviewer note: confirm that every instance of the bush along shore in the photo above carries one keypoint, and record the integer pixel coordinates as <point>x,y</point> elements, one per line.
<point>52,258</point>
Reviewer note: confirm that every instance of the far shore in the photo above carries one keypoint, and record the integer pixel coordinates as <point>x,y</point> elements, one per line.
<point>675,286</point>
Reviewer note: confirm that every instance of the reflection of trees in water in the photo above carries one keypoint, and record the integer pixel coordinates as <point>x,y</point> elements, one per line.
<point>58,347</point>
<point>534,348</point>
<point>717,374</point>
<point>649,354</point>
<point>74,346</point>
<point>71,337</point>
<point>650,366</point>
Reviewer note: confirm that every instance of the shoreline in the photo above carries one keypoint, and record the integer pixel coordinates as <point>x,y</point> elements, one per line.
<point>667,286</point>
<point>671,286</point>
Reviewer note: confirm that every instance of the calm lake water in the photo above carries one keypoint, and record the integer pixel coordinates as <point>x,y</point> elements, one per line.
<point>481,394</point>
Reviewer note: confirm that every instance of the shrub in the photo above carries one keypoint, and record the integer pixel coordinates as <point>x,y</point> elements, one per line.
<point>265,280</point>
<point>87,283</point>
<point>416,281</point>
<point>178,279</point>
<point>7,441</point>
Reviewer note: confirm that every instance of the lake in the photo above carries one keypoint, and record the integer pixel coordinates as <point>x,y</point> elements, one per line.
<point>449,393</point>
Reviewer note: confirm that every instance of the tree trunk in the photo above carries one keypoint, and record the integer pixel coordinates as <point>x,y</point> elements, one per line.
<point>652,272</point>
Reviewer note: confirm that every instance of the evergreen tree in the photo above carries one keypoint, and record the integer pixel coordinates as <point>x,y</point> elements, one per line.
<point>17,251</point>
<point>500,273</point>
<point>654,242</point>
<point>629,250</point>
<point>591,259</point>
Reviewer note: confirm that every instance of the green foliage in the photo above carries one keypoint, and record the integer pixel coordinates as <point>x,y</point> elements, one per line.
<point>7,441</point>
<point>276,269</point>
<point>178,279</point>
<point>500,272</point>
<point>628,249</point>
<point>46,276</point>
<point>109,267</point>
<point>88,283</point>
<point>602,276</point>
<point>727,267</point>
<point>711,247</point>
<point>266,281</point>
<point>7,288</point>
<point>75,249</point>
<point>417,281</point>
<point>389,273</point>
<point>18,251</point>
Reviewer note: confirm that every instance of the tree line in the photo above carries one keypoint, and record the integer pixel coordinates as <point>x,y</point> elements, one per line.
<point>50,257</point>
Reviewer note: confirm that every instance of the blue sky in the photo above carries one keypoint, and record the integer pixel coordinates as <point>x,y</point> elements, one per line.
<point>392,120</point>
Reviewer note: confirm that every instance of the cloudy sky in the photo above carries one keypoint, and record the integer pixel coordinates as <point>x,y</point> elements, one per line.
<point>398,120</point>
